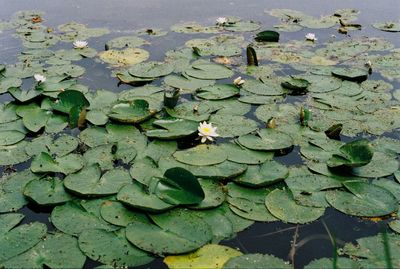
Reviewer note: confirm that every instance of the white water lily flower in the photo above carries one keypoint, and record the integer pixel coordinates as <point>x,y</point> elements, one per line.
<point>79,44</point>
<point>39,78</point>
<point>239,81</point>
<point>368,64</point>
<point>311,37</point>
<point>222,20</point>
<point>207,131</point>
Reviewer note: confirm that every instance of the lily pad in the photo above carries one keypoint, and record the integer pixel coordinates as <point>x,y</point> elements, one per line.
<point>56,251</point>
<point>111,248</point>
<point>173,129</point>
<point>125,57</point>
<point>208,256</point>
<point>201,155</point>
<point>21,238</point>
<point>47,191</point>
<point>138,196</point>
<point>239,154</point>
<point>73,219</point>
<point>174,232</point>
<point>282,205</point>
<point>266,139</point>
<point>205,70</point>
<point>264,174</point>
<point>179,186</point>
<point>249,203</point>
<point>261,261</point>
<point>90,182</point>
<point>151,69</point>
<point>353,154</point>
<point>131,112</point>
<point>217,92</point>
<point>117,214</point>
<point>364,199</point>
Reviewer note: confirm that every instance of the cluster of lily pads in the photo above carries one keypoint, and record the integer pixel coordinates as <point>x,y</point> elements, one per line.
<point>126,177</point>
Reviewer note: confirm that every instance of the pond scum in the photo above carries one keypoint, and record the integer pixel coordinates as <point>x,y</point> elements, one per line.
<point>127,178</point>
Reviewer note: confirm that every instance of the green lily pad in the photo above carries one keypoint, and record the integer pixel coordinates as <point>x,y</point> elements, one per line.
<point>370,251</point>
<point>282,205</point>
<point>125,57</point>
<point>208,256</point>
<point>8,83</point>
<point>205,70</point>
<point>90,182</point>
<point>55,251</point>
<point>267,36</point>
<point>220,171</point>
<point>364,199</point>
<point>151,69</point>
<point>266,139</point>
<point>47,191</point>
<point>213,192</point>
<point>33,117</point>
<point>68,164</point>
<point>13,154</point>
<point>187,83</point>
<point>261,261</point>
<point>217,92</point>
<point>179,186</point>
<point>111,248</point>
<point>341,262</point>
<point>24,96</point>
<point>352,74</point>
<point>269,88</point>
<point>138,196</point>
<point>174,232</point>
<point>264,174</point>
<point>381,165</point>
<point>232,125</point>
<point>21,238</point>
<point>10,137</point>
<point>126,41</point>
<point>353,154</point>
<point>117,214</point>
<point>249,203</point>
<point>173,129</point>
<point>201,155</point>
<point>131,112</point>
<point>239,154</point>
<point>387,26</point>
<point>73,219</point>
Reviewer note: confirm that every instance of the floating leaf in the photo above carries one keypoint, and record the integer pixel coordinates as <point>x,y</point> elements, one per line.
<point>282,205</point>
<point>266,139</point>
<point>179,186</point>
<point>90,182</point>
<point>267,36</point>
<point>131,112</point>
<point>174,232</point>
<point>47,191</point>
<point>364,199</point>
<point>208,256</point>
<point>201,155</point>
<point>173,129</point>
<point>267,173</point>
<point>111,248</point>
<point>353,154</point>
<point>125,57</point>
<point>264,261</point>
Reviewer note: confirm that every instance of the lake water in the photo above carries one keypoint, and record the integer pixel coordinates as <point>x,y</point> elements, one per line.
<point>123,17</point>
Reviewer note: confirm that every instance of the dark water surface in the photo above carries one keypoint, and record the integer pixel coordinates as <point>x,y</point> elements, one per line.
<point>303,242</point>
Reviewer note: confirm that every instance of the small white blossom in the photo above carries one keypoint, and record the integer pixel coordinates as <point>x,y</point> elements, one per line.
<point>207,131</point>
<point>368,64</point>
<point>39,78</point>
<point>222,21</point>
<point>79,44</point>
<point>238,81</point>
<point>311,37</point>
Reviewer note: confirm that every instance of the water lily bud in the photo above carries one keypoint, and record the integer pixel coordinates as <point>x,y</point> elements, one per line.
<point>271,123</point>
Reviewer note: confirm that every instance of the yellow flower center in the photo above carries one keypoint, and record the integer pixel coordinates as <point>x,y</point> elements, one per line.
<point>206,129</point>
